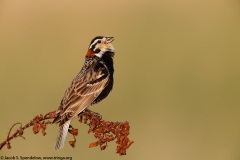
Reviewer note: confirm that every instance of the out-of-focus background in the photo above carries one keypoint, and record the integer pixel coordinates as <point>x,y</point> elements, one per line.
<point>177,78</point>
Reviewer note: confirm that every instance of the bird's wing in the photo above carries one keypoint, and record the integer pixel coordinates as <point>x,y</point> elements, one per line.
<point>84,89</point>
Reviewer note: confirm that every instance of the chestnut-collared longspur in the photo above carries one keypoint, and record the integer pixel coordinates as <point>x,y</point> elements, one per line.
<point>92,84</point>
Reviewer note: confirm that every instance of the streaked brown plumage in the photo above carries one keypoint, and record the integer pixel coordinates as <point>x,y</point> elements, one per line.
<point>92,84</point>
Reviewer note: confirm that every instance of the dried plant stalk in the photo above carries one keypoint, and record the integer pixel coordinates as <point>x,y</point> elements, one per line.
<point>104,131</point>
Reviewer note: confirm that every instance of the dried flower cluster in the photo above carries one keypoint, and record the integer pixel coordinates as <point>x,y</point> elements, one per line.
<point>39,122</point>
<point>104,131</point>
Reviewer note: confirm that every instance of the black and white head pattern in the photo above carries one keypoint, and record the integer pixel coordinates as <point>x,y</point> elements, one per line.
<point>100,44</point>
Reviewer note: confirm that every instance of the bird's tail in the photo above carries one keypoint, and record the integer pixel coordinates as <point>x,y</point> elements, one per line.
<point>62,136</point>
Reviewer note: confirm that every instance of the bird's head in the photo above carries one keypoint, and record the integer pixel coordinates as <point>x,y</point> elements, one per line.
<point>100,45</point>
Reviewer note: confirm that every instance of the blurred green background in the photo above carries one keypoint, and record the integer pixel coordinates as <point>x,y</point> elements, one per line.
<point>177,78</point>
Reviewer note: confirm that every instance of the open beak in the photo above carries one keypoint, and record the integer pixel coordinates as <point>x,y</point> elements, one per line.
<point>109,39</point>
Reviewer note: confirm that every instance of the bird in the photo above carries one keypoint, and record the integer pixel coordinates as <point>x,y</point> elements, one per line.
<point>91,85</point>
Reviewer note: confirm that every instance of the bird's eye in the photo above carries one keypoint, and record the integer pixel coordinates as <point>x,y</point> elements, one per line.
<point>99,41</point>
<point>97,50</point>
